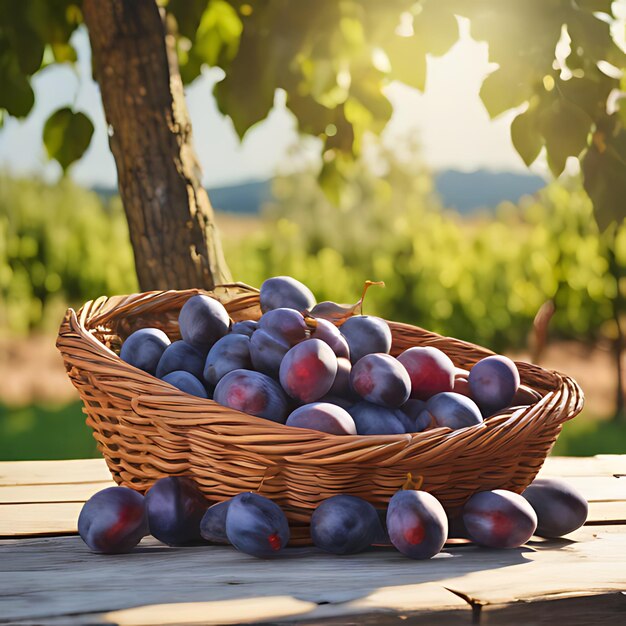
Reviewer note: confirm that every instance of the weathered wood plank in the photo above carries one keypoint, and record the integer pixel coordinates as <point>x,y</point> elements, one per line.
<point>54,518</point>
<point>599,465</point>
<point>53,472</point>
<point>75,581</point>
<point>76,492</point>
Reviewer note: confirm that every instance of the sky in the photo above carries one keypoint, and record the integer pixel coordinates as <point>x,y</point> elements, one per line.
<point>449,119</point>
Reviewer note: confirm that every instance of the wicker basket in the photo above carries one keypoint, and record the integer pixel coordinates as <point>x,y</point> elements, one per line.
<point>147,429</point>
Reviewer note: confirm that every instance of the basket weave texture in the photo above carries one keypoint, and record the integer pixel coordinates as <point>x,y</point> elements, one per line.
<point>147,429</point>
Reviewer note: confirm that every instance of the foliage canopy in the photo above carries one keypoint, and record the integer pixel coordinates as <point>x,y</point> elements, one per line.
<point>333,60</point>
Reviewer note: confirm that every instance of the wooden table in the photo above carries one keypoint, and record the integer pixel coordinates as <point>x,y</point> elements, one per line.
<point>48,576</point>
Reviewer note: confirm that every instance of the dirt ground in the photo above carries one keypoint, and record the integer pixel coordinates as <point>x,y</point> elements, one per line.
<point>31,371</point>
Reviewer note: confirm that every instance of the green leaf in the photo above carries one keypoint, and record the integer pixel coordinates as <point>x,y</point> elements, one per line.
<point>218,33</point>
<point>565,128</point>
<point>407,57</point>
<point>66,136</point>
<point>16,94</point>
<point>436,26</point>
<point>64,53</point>
<point>526,137</point>
<point>188,14</point>
<point>604,176</point>
<point>505,89</point>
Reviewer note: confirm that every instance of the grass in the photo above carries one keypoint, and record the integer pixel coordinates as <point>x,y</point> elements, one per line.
<point>38,432</point>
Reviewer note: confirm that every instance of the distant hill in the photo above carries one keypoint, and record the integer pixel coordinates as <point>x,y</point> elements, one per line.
<point>463,191</point>
<point>468,191</point>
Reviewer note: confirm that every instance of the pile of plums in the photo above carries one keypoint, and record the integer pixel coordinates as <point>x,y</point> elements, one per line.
<point>115,520</point>
<point>297,369</point>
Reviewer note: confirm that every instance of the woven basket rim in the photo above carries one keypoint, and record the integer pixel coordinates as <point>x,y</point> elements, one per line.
<point>94,313</point>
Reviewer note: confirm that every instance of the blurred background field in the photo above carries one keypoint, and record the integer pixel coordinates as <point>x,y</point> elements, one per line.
<point>480,275</point>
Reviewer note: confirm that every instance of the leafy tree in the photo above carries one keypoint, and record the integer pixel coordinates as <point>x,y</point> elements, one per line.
<point>332,59</point>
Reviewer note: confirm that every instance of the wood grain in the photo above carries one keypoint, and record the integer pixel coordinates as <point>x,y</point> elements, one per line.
<point>74,581</point>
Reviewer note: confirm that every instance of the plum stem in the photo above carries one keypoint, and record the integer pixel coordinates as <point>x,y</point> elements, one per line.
<point>412,484</point>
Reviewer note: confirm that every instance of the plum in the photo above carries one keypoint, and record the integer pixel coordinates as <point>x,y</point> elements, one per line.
<point>366,334</point>
<point>286,324</point>
<point>493,383</point>
<point>499,519</point>
<point>180,355</point>
<point>322,416</point>
<point>245,327</point>
<point>308,370</point>
<point>285,292</point>
<point>186,382</point>
<point>231,352</point>
<point>202,321</point>
<point>452,410</point>
<point>417,524</point>
<point>525,396</point>
<point>340,401</point>
<point>143,349</point>
<point>418,419</point>
<point>267,351</point>
<point>373,419</point>
<point>560,508</point>
<point>330,334</point>
<point>253,393</point>
<point>344,524</point>
<point>175,507</point>
<point>113,521</point>
<point>462,386</point>
<point>341,385</point>
<point>431,371</point>
<point>256,525</point>
<point>213,523</point>
<point>381,379</point>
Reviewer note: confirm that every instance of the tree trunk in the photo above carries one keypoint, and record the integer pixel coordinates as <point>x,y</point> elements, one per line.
<point>171,222</point>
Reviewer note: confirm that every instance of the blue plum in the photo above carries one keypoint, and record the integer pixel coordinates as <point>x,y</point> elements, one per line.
<point>113,521</point>
<point>285,292</point>
<point>493,382</point>
<point>372,419</point>
<point>366,334</point>
<point>175,508</point>
<point>231,352</point>
<point>287,324</point>
<point>340,401</point>
<point>267,351</point>
<point>181,356</point>
<point>560,508</point>
<point>381,379</point>
<point>143,349</point>
<point>308,370</point>
<point>499,519</point>
<point>213,523</point>
<point>341,385</point>
<point>253,393</point>
<point>417,524</point>
<point>202,321</point>
<point>245,327</point>
<point>414,411</point>
<point>344,524</point>
<point>257,526</point>
<point>453,410</point>
<point>186,382</point>
<point>322,416</point>
<point>431,371</point>
<point>330,334</point>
